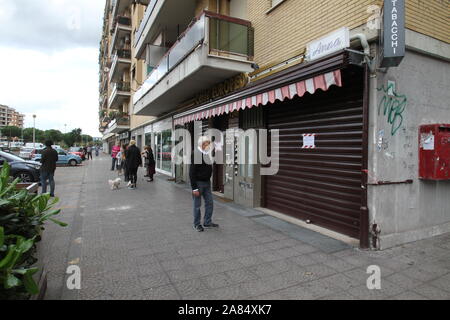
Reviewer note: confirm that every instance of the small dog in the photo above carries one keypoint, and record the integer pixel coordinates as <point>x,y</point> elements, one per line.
<point>114,184</point>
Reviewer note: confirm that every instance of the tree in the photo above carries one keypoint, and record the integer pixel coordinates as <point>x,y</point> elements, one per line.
<point>54,135</point>
<point>11,132</point>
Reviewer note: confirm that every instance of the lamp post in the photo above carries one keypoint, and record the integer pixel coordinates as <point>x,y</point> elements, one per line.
<point>34,131</point>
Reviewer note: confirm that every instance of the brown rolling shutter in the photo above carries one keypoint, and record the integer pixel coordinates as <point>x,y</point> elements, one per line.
<point>322,185</point>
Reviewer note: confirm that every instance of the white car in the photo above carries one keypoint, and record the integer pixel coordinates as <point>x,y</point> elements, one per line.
<point>25,153</point>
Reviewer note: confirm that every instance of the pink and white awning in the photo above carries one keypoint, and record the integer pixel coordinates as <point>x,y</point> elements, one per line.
<point>322,82</point>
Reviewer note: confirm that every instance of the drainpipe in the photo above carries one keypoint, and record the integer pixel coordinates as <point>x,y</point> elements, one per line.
<point>365,44</point>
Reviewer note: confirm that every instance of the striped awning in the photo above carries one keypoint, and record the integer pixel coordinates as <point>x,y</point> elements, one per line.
<point>300,88</point>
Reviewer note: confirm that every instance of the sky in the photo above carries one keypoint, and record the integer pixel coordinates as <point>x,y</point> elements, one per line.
<point>49,62</point>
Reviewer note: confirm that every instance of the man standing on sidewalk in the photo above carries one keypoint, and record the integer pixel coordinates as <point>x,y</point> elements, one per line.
<point>89,152</point>
<point>48,167</point>
<point>200,176</point>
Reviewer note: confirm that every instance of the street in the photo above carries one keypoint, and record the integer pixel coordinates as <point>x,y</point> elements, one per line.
<point>139,244</point>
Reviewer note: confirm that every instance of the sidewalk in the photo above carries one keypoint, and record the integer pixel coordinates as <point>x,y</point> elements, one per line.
<point>139,244</point>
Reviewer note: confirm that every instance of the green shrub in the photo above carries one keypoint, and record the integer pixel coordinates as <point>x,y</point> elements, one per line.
<point>22,219</point>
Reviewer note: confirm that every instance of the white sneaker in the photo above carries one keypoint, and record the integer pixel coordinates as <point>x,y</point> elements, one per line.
<point>129,183</point>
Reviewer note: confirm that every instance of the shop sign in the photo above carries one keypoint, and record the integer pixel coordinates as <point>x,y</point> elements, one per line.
<point>393,33</point>
<point>335,41</point>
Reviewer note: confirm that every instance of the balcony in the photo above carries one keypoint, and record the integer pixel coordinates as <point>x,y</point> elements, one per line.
<point>211,50</point>
<point>119,125</point>
<point>121,63</point>
<point>120,93</point>
<point>119,6</point>
<point>168,13</point>
<point>122,31</point>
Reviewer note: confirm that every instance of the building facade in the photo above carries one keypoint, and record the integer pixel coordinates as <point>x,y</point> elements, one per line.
<point>120,73</point>
<point>320,75</point>
<point>10,117</point>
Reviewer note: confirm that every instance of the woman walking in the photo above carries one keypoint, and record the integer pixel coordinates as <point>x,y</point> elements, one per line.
<point>133,162</point>
<point>149,163</point>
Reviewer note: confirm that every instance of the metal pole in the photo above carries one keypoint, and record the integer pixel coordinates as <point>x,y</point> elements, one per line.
<point>34,131</point>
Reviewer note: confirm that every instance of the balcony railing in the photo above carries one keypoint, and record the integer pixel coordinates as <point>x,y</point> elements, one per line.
<point>123,53</point>
<point>226,36</point>
<point>145,19</point>
<point>123,20</point>
<point>122,86</point>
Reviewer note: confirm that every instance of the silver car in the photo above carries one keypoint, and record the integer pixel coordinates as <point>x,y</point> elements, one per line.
<point>25,153</point>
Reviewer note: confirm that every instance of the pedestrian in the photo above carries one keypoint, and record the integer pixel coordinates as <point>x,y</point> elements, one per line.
<point>89,152</point>
<point>96,151</point>
<point>85,153</point>
<point>119,162</point>
<point>48,167</point>
<point>124,163</point>
<point>114,151</point>
<point>149,163</point>
<point>200,176</point>
<point>133,162</point>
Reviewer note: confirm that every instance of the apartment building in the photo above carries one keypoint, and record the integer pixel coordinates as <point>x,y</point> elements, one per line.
<point>347,85</point>
<point>120,73</point>
<point>10,117</point>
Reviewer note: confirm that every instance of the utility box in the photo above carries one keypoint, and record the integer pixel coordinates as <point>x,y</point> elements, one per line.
<point>434,152</point>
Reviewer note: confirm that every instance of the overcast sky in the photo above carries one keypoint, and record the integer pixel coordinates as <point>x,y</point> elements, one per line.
<point>49,61</point>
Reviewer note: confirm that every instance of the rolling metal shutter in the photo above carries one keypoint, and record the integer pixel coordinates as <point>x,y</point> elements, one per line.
<point>322,185</point>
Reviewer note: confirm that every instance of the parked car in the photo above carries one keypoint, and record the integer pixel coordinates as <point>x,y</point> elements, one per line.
<point>25,153</point>
<point>36,145</point>
<point>26,171</point>
<point>78,151</point>
<point>63,157</point>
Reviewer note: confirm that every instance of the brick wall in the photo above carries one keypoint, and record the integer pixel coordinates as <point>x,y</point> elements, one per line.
<point>285,31</point>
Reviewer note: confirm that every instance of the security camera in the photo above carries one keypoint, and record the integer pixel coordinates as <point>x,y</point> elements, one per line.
<point>254,66</point>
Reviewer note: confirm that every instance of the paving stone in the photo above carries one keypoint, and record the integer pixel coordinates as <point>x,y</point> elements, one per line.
<point>344,282</point>
<point>409,295</point>
<point>218,280</point>
<point>403,281</point>
<point>419,274</point>
<point>432,292</point>
<point>154,280</point>
<point>167,292</point>
<point>442,283</point>
<point>193,286</point>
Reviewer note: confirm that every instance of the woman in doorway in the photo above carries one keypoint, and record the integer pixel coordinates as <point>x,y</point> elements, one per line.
<point>149,162</point>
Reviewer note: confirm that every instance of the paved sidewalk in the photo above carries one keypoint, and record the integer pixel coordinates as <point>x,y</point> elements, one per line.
<point>139,244</point>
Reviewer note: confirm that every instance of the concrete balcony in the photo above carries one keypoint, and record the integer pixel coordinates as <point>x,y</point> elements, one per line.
<point>120,6</point>
<point>119,125</point>
<point>122,31</point>
<point>213,49</point>
<point>171,14</point>
<point>120,93</point>
<point>121,63</point>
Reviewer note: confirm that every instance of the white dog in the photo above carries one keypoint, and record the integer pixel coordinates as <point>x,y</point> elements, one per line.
<point>114,184</point>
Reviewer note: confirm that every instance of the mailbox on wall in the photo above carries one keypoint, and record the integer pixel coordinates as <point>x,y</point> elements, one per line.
<point>434,152</point>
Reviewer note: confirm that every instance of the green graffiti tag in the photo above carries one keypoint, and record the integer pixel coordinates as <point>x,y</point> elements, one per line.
<point>393,107</point>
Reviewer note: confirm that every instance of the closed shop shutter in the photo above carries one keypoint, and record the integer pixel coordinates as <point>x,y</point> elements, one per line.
<point>322,185</point>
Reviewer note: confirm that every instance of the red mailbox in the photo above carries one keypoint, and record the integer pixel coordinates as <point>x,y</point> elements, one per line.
<point>434,152</point>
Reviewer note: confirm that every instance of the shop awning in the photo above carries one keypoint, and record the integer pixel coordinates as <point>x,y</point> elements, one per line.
<point>311,85</point>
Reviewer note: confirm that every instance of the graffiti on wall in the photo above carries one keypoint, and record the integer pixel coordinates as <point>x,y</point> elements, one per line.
<point>392,105</point>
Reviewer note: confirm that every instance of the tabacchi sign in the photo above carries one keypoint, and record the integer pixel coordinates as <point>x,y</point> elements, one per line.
<point>338,40</point>
<point>393,37</point>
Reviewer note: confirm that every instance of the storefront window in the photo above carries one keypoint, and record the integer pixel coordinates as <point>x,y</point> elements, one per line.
<point>163,146</point>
